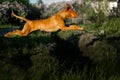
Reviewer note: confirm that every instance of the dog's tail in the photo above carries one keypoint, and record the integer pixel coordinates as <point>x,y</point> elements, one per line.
<point>19,17</point>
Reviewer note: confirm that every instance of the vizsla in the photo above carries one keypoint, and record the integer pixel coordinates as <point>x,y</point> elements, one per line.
<point>52,24</point>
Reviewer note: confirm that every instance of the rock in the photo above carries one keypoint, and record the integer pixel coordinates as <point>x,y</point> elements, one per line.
<point>86,39</point>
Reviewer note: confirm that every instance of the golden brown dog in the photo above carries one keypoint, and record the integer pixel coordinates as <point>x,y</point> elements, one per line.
<point>52,24</point>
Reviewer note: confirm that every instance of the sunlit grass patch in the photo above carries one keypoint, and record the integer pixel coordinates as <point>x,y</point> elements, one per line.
<point>2,26</point>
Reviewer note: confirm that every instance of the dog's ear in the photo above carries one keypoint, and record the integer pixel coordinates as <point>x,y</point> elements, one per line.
<point>68,6</point>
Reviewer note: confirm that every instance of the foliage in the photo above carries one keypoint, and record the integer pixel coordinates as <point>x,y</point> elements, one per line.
<point>91,11</point>
<point>25,2</point>
<point>36,11</point>
<point>111,28</point>
<point>5,12</point>
<point>115,12</point>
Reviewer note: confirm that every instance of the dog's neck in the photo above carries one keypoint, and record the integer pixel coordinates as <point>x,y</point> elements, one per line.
<point>62,14</point>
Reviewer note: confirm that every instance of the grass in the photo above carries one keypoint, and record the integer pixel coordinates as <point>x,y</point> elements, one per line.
<point>60,56</point>
<point>6,26</point>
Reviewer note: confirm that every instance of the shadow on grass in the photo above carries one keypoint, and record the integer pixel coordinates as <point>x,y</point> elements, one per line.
<point>49,55</point>
<point>18,50</point>
<point>69,55</point>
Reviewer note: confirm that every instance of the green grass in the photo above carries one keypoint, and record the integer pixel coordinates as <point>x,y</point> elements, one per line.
<point>112,28</point>
<point>60,56</point>
<point>6,26</point>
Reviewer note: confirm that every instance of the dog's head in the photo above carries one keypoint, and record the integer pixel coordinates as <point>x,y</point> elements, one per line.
<point>69,12</point>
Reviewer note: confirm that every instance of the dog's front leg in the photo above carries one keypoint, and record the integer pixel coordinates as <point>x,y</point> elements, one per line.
<point>75,27</point>
<point>71,27</point>
<point>65,28</point>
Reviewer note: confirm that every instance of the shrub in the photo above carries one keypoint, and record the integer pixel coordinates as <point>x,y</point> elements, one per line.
<point>111,28</point>
<point>36,11</point>
<point>5,12</point>
<point>92,11</point>
<point>115,11</point>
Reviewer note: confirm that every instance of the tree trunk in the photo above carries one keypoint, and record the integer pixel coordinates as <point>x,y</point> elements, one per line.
<point>118,6</point>
<point>118,3</point>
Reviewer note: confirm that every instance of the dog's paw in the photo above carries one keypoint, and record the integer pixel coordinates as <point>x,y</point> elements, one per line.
<point>75,27</point>
<point>7,34</point>
<point>81,28</point>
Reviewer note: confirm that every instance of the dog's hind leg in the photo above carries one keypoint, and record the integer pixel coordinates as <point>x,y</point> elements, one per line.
<point>15,32</point>
<point>26,29</point>
<point>24,32</point>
